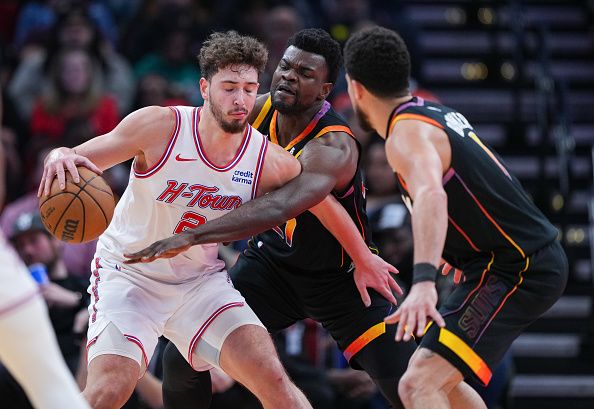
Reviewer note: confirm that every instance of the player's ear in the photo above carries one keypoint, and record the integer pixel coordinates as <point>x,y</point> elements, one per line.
<point>355,88</point>
<point>326,90</point>
<point>204,84</point>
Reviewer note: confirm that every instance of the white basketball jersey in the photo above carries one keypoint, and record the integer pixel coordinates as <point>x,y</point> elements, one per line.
<point>181,191</point>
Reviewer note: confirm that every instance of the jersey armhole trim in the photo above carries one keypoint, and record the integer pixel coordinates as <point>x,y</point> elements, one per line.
<point>259,166</point>
<point>328,129</point>
<point>417,117</point>
<point>172,139</point>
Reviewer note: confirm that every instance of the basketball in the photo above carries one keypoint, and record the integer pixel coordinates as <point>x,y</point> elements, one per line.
<point>80,212</point>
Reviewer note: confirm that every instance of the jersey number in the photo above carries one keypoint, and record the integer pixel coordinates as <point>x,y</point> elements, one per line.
<point>288,233</point>
<point>189,220</point>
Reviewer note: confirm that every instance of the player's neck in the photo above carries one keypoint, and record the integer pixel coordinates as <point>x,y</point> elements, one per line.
<point>380,109</point>
<point>291,125</point>
<point>219,146</point>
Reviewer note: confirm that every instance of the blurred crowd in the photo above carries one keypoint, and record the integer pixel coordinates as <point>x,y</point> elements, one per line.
<point>72,69</point>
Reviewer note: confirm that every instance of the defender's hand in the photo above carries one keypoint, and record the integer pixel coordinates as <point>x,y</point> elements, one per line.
<point>55,165</point>
<point>374,272</point>
<point>166,248</point>
<point>412,314</point>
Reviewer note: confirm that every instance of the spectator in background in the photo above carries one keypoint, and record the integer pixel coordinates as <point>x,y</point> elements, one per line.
<point>9,138</point>
<point>74,29</point>
<point>155,17</point>
<point>173,62</point>
<point>389,219</point>
<point>153,89</point>
<point>37,18</point>
<point>75,92</point>
<point>281,23</point>
<point>379,177</point>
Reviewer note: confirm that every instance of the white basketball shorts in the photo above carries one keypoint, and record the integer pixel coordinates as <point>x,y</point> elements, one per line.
<point>197,316</point>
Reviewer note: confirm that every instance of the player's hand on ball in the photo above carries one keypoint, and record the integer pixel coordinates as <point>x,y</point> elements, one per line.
<point>417,306</point>
<point>166,248</point>
<point>55,165</point>
<point>374,272</point>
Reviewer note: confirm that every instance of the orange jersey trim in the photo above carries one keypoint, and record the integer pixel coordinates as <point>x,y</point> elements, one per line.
<point>331,128</point>
<point>418,117</point>
<point>508,295</point>
<point>263,112</point>
<point>491,155</point>
<point>462,350</point>
<point>334,128</point>
<point>289,231</point>
<point>364,339</point>
<point>297,139</point>
<point>463,233</point>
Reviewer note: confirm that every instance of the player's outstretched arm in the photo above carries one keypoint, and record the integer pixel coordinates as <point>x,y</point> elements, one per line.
<point>413,153</point>
<point>371,271</point>
<point>144,130</point>
<point>327,162</point>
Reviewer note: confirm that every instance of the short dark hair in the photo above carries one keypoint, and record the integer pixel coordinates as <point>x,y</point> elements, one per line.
<point>318,41</point>
<point>224,49</point>
<point>378,59</point>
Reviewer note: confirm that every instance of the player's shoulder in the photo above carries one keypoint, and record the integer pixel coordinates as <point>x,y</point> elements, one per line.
<point>153,115</point>
<point>150,122</point>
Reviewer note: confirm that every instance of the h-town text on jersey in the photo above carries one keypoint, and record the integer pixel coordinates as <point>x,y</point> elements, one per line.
<point>198,195</point>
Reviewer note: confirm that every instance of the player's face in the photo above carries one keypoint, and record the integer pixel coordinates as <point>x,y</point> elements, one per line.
<point>36,247</point>
<point>298,81</point>
<point>231,95</point>
<point>361,115</point>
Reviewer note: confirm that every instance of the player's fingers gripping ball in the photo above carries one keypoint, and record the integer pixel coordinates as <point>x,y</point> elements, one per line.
<point>80,212</point>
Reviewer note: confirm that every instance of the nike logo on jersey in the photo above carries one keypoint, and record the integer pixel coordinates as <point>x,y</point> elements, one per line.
<point>180,159</point>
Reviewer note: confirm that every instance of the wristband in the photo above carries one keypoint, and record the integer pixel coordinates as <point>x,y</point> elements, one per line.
<point>424,272</point>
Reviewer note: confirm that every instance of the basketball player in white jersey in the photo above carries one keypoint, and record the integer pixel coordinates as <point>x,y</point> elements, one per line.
<point>190,165</point>
<point>28,346</point>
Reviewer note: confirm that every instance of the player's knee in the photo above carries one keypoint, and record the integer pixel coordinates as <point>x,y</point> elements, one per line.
<point>275,373</point>
<point>111,381</point>
<point>417,380</point>
<point>102,395</point>
<point>408,387</point>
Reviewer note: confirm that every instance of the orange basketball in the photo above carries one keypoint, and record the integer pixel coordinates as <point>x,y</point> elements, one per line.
<point>80,212</point>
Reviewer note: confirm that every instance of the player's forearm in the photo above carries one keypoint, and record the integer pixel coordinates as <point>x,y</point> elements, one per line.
<point>430,223</point>
<point>337,221</point>
<point>263,213</point>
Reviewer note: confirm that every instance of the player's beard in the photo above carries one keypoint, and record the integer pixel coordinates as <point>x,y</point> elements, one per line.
<point>363,119</point>
<point>233,126</point>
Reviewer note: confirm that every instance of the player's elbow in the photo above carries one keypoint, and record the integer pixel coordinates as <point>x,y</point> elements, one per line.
<point>435,195</point>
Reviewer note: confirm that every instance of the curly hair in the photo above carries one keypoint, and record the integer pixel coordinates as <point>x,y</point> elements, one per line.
<point>378,59</point>
<point>222,50</point>
<point>318,41</point>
